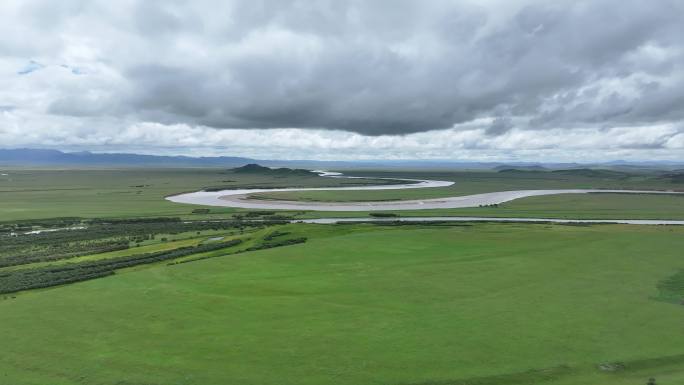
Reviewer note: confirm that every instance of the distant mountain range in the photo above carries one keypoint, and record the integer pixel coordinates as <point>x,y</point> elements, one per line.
<point>46,158</point>
<point>26,156</point>
<point>42,157</point>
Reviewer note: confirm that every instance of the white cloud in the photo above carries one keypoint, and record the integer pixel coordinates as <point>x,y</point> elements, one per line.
<point>469,141</point>
<point>382,79</point>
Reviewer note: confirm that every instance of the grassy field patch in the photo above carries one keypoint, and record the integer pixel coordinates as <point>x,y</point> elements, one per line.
<point>369,304</point>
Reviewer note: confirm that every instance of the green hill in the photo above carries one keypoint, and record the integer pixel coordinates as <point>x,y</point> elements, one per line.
<point>253,168</point>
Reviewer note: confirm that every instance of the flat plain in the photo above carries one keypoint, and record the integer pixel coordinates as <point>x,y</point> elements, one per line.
<point>90,193</point>
<point>370,304</point>
<point>131,289</point>
<point>128,192</point>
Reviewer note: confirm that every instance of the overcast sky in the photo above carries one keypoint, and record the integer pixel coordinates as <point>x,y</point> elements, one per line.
<point>479,80</point>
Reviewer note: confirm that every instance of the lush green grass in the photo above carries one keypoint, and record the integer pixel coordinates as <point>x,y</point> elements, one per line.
<point>475,182</point>
<point>575,206</point>
<point>366,304</point>
<point>30,194</point>
<point>579,206</point>
<point>598,206</point>
<point>174,241</point>
<point>671,289</point>
<point>26,194</point>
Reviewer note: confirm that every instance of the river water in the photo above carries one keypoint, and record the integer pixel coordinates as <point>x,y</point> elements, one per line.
<point>240,197</point>
<point>489,219</point>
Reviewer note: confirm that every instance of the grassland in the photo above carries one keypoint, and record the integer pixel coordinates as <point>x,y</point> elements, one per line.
<point>131,192</point>
<point>476,182</point>
<point>578,206</point>
<point>469,304</point>
<point>30,194</point>
<point>365,304</point>
<point>565,206</point>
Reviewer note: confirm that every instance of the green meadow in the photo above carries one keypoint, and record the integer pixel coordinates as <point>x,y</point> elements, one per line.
<point>476,182</point>
<point>274,303</point>
<point>368,304</point>
<point>165,167</point>
<point>135,192</point>
<point>564,206</point>
<point>129,192</point>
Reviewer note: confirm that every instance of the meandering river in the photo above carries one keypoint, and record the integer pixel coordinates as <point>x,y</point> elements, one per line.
<point>240,197</point>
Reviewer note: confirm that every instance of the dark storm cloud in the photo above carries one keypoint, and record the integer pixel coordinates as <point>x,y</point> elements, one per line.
<point>377,67</point>
<point>499,126</point>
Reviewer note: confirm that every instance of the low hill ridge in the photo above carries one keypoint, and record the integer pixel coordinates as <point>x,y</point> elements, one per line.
<point>254,168</point>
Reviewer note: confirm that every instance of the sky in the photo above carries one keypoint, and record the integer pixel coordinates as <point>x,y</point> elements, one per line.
<point>486,80</point>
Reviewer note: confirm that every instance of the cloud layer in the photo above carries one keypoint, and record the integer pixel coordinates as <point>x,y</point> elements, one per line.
<point>378,79</point>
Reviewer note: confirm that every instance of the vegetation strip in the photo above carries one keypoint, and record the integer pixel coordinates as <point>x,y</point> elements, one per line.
<point>27,242</point>
<point>33,278</point>
<point>58,252</point>
<point>265,245</point>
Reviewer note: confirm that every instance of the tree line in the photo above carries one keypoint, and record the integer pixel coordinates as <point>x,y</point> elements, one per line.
<point>53,275</point>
